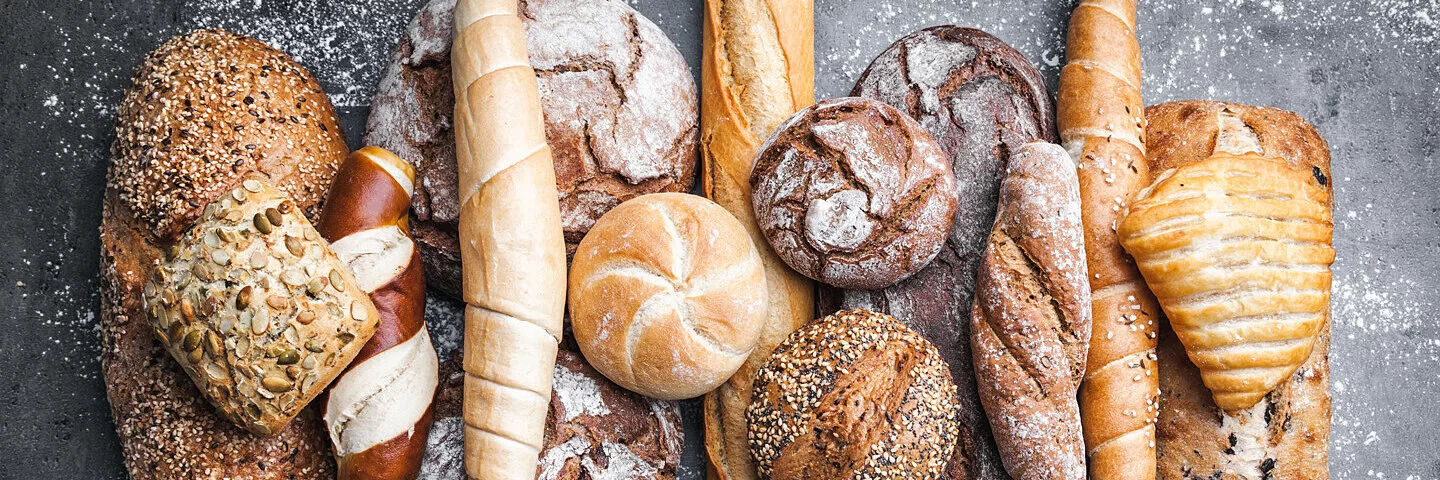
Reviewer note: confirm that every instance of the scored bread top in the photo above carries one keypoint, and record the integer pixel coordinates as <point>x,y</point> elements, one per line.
<point>207,108</point>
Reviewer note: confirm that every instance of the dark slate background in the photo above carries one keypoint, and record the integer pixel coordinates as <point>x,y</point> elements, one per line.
<point>1366,73</point>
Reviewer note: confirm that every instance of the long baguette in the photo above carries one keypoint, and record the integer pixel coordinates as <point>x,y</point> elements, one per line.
<point>378,412</point>
<point>1101,121</point>
<point>757,69</point>
<point>511,243</point>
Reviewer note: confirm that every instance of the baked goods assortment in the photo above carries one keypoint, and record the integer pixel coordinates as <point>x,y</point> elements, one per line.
<point>1149,300</point>
<point>667,295</point>
<point>853,193</point>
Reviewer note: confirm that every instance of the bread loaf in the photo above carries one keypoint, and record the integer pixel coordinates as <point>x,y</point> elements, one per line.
<point>1030,327</point>
<point>853,193</point>
<point>980,99</point>
<point>853,395</point>
<point>667,295</point>
<point>1286,434</point>
<point>378,412</point>
<point>620,116</point>
<point>757,68</point>
<point>1101,123</point>
<point>511,242</point>
<point>202,112</point>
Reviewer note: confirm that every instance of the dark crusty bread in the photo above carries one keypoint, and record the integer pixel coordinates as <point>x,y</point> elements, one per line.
<point>1030,327</point>
<point>203,111</point>
<point>1286,435</point>
<point>980,99</point>
<point>620,116</point>
<point>855,395</point>
<point>853,193</point>
<point>595,430</point>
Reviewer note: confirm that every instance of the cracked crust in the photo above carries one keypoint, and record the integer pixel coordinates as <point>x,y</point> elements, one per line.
<point>853,193</point>
<point>620,117</point>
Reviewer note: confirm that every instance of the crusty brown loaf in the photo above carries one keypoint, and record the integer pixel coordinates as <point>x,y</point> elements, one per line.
<point>1286,435</point>
<point>856,395</point>
<point>205,84</point>
<point>611,140</point>
<point>595,429</point>
<point>1030,327</point>
<point>757,67</point>
<point>1004,104</point>
<point>853,193</point>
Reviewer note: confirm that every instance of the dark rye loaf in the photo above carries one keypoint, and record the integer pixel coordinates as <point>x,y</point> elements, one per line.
<point>620,117</point>
<point>981,99</point>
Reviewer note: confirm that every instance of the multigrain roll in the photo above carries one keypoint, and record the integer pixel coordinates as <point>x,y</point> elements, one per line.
<point>853,395</point>
<point>667,295</point>
<point>203,111</point>
<point>853,193</point>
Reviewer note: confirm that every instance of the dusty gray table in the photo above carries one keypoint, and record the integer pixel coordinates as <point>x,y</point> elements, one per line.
<point>1366,73</point>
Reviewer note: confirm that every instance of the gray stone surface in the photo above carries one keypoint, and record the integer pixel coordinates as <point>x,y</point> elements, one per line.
<point>1366,73</point>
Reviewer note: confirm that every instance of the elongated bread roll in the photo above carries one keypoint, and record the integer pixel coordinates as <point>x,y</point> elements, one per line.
<point>1286,435</point>
<point>758,68</point>
<point>378,412</point>
<point>511,243</point>
<point>1102,126</point>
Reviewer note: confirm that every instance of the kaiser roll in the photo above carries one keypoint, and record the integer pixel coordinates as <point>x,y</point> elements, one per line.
<point>667,295</point>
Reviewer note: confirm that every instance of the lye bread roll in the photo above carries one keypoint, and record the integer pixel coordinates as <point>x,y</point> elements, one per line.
<point>853,193</point>
<point>667,295</point>
<point>1030,327</point>
<point>1101,121</point>
<point>1286,434</point>
<point>204,111</point>
<point>758,67</point>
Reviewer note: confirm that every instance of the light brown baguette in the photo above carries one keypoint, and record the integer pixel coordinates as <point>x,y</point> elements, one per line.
<point>1030,323</point>
<point>511,244</point>
<point>378,412</point>
<point>1286,435</point>
<point>1101,122</point>
<point>757,69</point>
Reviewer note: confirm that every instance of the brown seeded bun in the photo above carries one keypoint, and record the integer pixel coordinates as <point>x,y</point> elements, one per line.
<point>620,110</point>
<point>184,136</point>
<point>853,395</point>
<point>853,193</point>
<point>667,295</point>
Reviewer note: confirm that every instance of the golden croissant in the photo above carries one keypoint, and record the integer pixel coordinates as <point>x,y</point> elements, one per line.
<point>1237,249</point>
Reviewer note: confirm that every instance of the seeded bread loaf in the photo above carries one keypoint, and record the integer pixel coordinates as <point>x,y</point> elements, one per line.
<point>620,116</point>
<point>203,111</point>
<point>1286,435</point>
<point>980,99</point>
<point>853,395</point>
<point>256,308</point>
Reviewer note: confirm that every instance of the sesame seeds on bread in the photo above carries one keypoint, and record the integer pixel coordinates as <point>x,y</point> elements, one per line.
<point>853,395</point>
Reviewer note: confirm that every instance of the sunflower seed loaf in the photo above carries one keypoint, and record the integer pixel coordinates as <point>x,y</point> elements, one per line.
<point>256,308</point>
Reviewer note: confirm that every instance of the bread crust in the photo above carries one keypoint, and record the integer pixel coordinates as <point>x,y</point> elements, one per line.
<point>1286,435</point>
<point>166,428</point>
<point>756,69</point>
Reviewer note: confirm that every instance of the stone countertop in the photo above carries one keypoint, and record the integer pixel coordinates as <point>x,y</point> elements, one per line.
<point>1367,74</point>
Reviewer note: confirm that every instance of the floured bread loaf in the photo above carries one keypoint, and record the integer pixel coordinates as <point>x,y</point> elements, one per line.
<point>1237,249</point>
